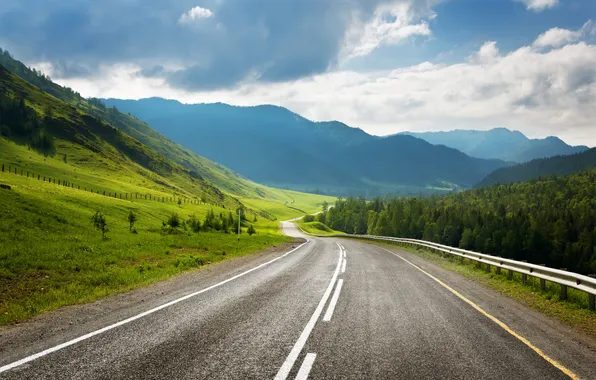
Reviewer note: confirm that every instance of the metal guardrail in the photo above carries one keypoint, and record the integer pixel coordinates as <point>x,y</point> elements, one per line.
<point>564,278</point>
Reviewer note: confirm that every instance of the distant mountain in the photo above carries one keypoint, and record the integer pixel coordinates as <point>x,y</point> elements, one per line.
<point>277,147</point>
<point>559,165</point>
<point>32,117</point>
<point>220,176</point>
<point>500,143</point>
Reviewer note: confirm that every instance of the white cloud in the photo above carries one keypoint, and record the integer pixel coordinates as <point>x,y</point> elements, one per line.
<point>195,14</point>
<point>556,37</point>
<point>391,24</point>
<point>487,55</point>
<point>539,5</point>
<point>540,92</point>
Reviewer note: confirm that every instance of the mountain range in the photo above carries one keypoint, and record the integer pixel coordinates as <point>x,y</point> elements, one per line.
<point>500,143</point>
<point>274,146</point>
<point>542,167</point>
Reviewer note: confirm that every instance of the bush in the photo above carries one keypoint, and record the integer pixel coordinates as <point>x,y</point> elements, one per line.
<point>99,222</point>
<point>308,218</point>
<point>194,223</point>
<point>174,221</point>
<point>251,230</point>
<point>132,218</point>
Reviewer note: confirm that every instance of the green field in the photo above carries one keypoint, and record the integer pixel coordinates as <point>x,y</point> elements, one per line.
<point>50,254</point>
<point>317,228</point>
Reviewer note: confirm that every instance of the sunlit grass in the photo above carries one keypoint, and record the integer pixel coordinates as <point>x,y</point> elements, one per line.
<point>51,256</point>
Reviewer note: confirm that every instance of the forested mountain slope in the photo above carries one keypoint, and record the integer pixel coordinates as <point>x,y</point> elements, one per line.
<point>220,176</point>
<point>550,221</point>
<point>500,143</point>
<point>559,165</point>
<point>275,146</point>
<point>51,126</point>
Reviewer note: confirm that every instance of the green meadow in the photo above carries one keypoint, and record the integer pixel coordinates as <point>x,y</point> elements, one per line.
<point>51,255</point>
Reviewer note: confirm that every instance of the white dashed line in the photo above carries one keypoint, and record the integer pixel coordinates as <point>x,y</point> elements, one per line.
<point>333,302</point>
<point>306,366</point>
<point>286,367</point>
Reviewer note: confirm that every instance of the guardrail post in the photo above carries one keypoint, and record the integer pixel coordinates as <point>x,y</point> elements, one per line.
<point>591,302</point>
<point>487,268</point>
<point>498,270</point>
<point>510,275</point>
<point>563,292</point>
<point>524,278</point>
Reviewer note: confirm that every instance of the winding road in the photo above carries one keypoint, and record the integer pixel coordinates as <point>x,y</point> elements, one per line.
<point>327,309</point>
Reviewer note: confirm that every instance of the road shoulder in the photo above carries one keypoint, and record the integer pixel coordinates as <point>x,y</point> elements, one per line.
<point>57,326</point>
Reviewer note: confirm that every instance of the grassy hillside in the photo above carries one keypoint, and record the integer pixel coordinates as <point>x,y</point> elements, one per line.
<point>50,252</point>
<point>223,178</point>
<point>559,165</point>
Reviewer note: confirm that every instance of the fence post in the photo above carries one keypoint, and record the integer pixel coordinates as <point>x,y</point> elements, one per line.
<point>38,177</point>
<point>27,174</point>
<point>563,292</point>
<point>2,168</point>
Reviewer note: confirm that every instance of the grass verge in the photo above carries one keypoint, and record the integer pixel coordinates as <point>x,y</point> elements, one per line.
<point>51,256</point>
<point>317,228</point>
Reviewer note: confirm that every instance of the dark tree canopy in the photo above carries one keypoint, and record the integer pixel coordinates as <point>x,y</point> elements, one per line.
<point>550,221</point>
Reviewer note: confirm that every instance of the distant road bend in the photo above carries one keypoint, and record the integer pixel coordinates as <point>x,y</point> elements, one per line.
<point>328,309</point>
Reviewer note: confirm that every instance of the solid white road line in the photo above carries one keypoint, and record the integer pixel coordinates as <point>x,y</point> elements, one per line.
<point>331,307</point>
<point>306,366</point>
<point>286,367</point>
<point>343,266</point>
<point>345,253</point>
<point>138,316</point>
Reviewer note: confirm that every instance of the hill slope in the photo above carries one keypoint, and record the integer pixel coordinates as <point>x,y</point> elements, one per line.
<point>225,179</point>
<point>275,146</point>
<point>500,143</point>
<point>559,165</point>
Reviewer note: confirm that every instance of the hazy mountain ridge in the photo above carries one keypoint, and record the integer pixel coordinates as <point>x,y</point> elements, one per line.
<point>500,143</point>
<point>544,167</point>
<point>274,146</point>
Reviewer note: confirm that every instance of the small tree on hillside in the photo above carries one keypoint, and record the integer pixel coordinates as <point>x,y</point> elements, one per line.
<point>132,218</point>
<point>99,222</point>
<point>194,223</point>
<point>173,221</point>
<point>251,230</point>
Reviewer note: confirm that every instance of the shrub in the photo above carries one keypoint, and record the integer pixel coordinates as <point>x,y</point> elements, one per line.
<point>174,221</point>
<point>194,223</point>
<point>99,222</point>
<point>308,218</point>
<point>251,230</point>
<point>132,218</point>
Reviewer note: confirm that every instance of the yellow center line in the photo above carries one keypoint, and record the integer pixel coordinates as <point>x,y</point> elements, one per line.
<point>525,341</point>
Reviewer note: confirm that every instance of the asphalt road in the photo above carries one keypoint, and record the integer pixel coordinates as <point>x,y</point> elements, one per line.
<point>331,309</point>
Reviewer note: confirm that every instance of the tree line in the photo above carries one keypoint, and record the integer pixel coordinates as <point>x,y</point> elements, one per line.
<point>22,124</point>
<point>550,221</point>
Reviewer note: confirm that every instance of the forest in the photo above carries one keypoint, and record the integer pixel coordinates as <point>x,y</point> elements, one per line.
<point>21,123</point>
<point>550,221</point>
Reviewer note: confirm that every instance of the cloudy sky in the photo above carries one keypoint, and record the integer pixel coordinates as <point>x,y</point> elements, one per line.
<point>382,65</point>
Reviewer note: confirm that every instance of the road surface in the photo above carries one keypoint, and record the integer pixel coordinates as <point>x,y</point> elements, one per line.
<point>329,309</point>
